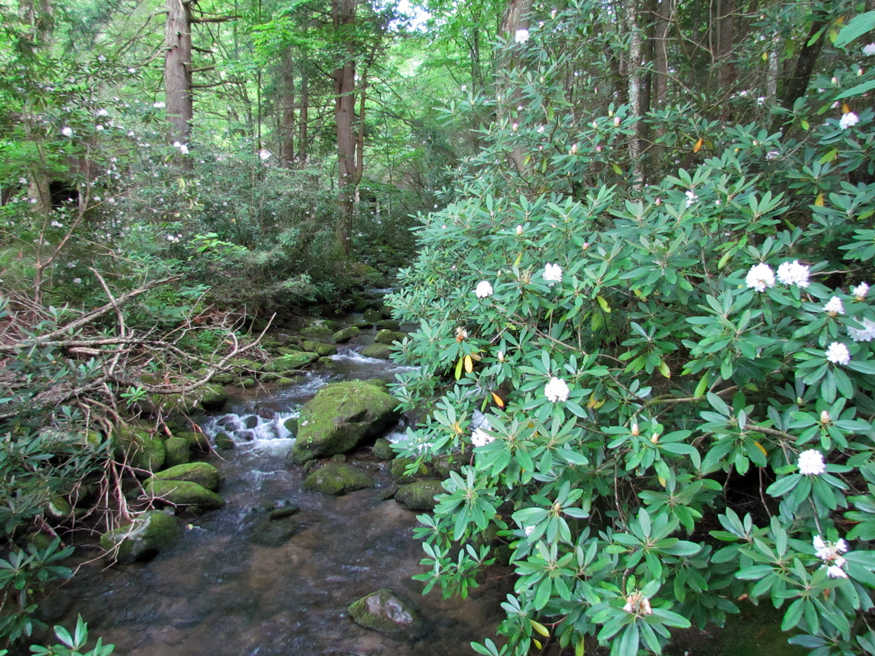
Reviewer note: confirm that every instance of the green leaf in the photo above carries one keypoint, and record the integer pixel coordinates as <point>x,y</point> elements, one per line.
<point>856,27</point>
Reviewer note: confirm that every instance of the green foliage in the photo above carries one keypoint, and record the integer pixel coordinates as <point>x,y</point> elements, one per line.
<point>73,645</point>
<point>654,422</point>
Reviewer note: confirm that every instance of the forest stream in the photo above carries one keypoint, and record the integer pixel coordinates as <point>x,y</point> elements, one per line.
<point>238,583</point>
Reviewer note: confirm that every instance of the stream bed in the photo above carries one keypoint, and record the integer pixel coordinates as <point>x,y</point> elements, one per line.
<point>239,584</point>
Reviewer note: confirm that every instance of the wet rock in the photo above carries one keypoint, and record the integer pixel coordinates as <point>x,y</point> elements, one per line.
<point>388,492</point>
<point>398,468</point>
<point>383,449</point>
<point>373,316</point>
<point>202,473</point>
<point>282,380</point>
<point>291,425</point>
<point>183,493</point>
<point>340,418</point>
<point>284,350</point>
<point>345,335</point>
<point>139,448</point>
<point>251,421</point>
<point>59,508</point>
<point>318,333</point>
<point>178,451</point>
<point>213,397</point>
<point>246,383</point>
<point>144,538</point>
<point>282,513</point>
<point>223,378</point>
<point>327,363</point>
<point>383,611</point>
<point>419,495</point>
<point>445,464</point>
<point>389,324</point>
<point>197,441</point>
<point>319,348</point>
<point>337,478</point>
<point>288,363</point>
<point>380,351</point>
<point>225,441</point>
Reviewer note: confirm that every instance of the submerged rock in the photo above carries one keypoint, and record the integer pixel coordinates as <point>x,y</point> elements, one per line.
<point>337,478</point>
<point>419,495</point>
<point>184,493</point>
<point>225,441</point>
<point>202,473</point>
<point>142,539</point>
<point>383,611</point>
<point>340,418</point>
<point>290,362</point>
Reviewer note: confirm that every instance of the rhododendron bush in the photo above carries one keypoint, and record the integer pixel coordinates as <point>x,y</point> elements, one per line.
<point>658,396</point>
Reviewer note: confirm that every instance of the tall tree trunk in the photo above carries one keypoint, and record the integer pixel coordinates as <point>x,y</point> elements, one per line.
<point>303,119</point>
<point>287,111</point>
<point>177,70</point>
<point>726,69</point>
<point>664,16</point>
<point>795,86</point>
<point>635,79</point>
<point>516,17</point>
<point>343,16</point>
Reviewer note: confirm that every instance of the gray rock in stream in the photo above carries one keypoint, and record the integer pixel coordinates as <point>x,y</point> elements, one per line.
<point>383,611</point>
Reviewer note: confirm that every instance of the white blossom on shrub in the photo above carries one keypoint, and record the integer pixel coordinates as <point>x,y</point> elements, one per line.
<point>848,120</point>
<point>864,334</point>
<point>484,289</point>
<point>521,36</point>
<point>793,273</point>
<point>860,290</point>
<point>834,306</point>
<point>556,390</point>
<point>480,438</point>
<point>553,273</point>
<point>811,463</point>
<point>838,353</point>
<point>760,277</point>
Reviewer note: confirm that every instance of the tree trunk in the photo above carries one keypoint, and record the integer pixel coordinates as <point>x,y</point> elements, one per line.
<point>303,138</point>
<point>287,111</point>
<point>634,79</point>
<point>516,17</point>
<point>177,70</point>
<point>664,16</point>
<point>343,16</point>
<point>795,86</point>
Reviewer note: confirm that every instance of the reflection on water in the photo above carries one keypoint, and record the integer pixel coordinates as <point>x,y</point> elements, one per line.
<point>240,584</point>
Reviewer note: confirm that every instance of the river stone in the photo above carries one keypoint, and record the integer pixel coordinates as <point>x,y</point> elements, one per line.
<point>318,333</point>
<point>419,495</point>
<point>151,532</point>
<point>380,351</point>
<point>389,324</point>
<point>184,493</point>
<point>225,441</point>
<point>383,611</point>
<point>443,465</point>
<point>194,440</point>
<point>291,425</point>
<point>178,451</point>
<point>338,478</point>
<point>340,418</point>
<point>383,449</point>
<point>213,397</point>
<point>59,508</point>
<point>319,348</point>
<point>202,473</point>
<point>346,334</point>
<point>373,316</point>
<point>139,448</point>
<point>223,378</point>
<point>399,466</point>
<point>246,382</point>
<point>290,362</point>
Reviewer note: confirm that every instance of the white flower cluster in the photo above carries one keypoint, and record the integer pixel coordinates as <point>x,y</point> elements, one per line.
<point>556,390</point>
<point>553,273</point>
<point>834,307</point>
<point>691,197</point>
<point>174,239</point>
<point>838,353</point>
<point>480,438</point>
<point>264,155</point>
<point>830,554</point>
<point>521,36</point>
<point>848,120</point>
<point>760,277</point>
<point>860,291</point>
<point>181,146</point>
<point>811,463</point>
<point>484,289</point>
<point>67,131</point>
<point>793,273</point>
<point>869,49</point>
<point>864,334</point>
<point>159,105</point>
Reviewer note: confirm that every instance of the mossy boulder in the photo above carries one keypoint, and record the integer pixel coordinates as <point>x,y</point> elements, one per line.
<point>318,333</point>
<point>145,537</point>
<point>285,350</point>
<point>213,397</point>
<point>319,348</point>
<point>290,362</point>
<point>59,508</point>
<point>389,324</point>
<point>178,451</point>
<point>184,493</point>
<point>389,337</point>
<point>246,383</point>
<point>346,334</point>
<point>139,448</point>
<point>380,351</point>
<point>337,478</point>
<point>223,378</point>
<point>202,473</point>
<point>181,403</point>
<point>340,418</point>
<point>291,425</point>
<point>419,495</point>
<point>399,466</point>
<point>225,441</point>
<point>373,316</point>
<point>383,449</point>
<point>194,440</point>
<point>385,612</point>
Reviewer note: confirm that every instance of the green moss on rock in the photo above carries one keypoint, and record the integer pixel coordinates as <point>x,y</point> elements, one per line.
<point>318,333</point>
<point>202,473</point>
<point>419,495</point>
<point>380,351</point>
<point>346,334</point>
<point>383,449</point>
<point>213,397</point>
<point>319,348</point>
<point>184,493</point>
<point>291,362</point>
<point>225,441</point>
<point>178,451</point>
<point>147,535</point>
<point>340,418</point>
<point>383,611</point>
<point>337,478</point>
<point>138,448</point>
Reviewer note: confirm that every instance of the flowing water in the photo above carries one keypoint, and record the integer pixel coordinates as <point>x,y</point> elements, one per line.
<point>239,584</point>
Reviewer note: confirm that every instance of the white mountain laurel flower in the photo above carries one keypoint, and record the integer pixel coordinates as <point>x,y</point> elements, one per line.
<point>484,289</point>
<point>834,307</point>
<point>480,438</point>
<point>838,353</point>
<point>848,120</point>
<point>553,273</point>
<point>793,273</point>
<point>67,131</point>
<point>691,197</point>
<point>862,289</point>
<point>811,463</point>
<point>521,35</point>
<point>638,604</point>
<point>864,334</point>
<point>760,277</point>
<point>869,49</point>
<point>836,572</point>
<point>556,390</point>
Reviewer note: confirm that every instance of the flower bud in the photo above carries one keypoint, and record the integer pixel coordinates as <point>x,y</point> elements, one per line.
<point>824,417</point>
<point>654,438</point>
<point>658,202</point>
<point>574,149</point>
<point>515,127</point>
<point>585,246</point>
<point>617,121</point>
<point>635,430</point>
<point>519,230</point>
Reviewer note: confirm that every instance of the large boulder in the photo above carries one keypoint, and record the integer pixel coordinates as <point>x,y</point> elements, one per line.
<point>178,451</point>
<point>139,448</point>
<point>389,337</point>
<point>213,397</point>
<point>184,493</point>
<point>290,362</point>
<point>202,473</point>
<point>383,611</point>
<point>419,495</point>
<point>338,478</point>
<point>143,538</point>
<point>341,417</point>
<point>380,351</point>
<point>346,334</point>
<point>318,333</point>
<point>319,348</point>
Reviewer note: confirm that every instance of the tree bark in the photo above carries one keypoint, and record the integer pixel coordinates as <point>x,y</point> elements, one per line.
<point>287,112</point>
<point>664,16</point>
<point>795,86</point>
<point>177,70</point>
<point>303,138</point>
<point>634,86</point>
<point>343,17</point>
